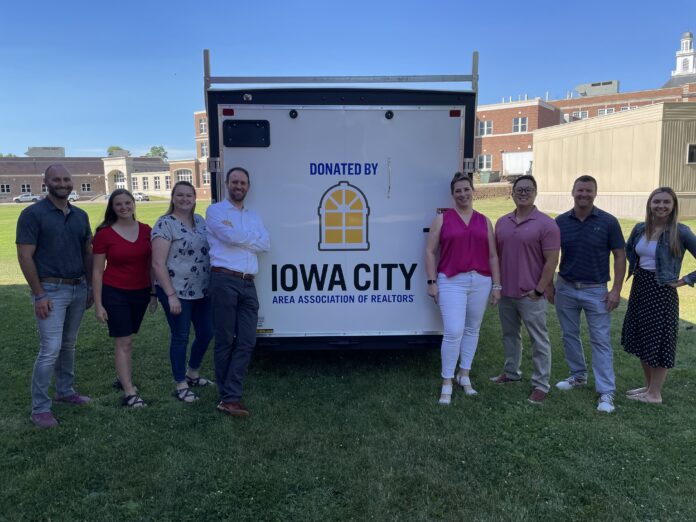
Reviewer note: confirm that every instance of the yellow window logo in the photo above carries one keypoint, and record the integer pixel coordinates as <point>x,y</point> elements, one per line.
<point>343,214</point>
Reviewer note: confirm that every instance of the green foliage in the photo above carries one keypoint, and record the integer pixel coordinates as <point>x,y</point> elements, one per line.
<point>8,155</point>
<point>115,150</point>
<point>157,151</point>
<point>340,435</point>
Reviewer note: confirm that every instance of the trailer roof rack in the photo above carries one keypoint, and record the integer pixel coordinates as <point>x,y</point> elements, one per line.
<point>452,78</point>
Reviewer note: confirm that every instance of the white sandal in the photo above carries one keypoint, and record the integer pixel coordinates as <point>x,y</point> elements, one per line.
<point>464,382</point>
<point>445,394</point>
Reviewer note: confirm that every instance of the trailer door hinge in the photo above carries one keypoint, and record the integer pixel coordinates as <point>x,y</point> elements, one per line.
<point>213,164</point>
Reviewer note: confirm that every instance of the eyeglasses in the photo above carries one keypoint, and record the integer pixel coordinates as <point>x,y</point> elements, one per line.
<point>524,190</point>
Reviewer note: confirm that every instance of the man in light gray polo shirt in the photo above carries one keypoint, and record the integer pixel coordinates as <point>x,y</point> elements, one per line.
<point>55,255</point>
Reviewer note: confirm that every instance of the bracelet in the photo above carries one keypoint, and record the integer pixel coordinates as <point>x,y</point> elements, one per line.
<point>432,281</point>
<point>38,298</point>
<point>170,295</point>
<point>497,287</point>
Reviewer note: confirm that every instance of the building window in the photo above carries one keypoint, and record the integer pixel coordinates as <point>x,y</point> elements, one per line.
<point>519,124</point>
<point>4,189</point>
<point>685,64</point>
<point>158,186</point>
<point>691,154</point>
<point>120,180</point>
<point>44,188</point>
<point>134,183</point>
<point>146,183</point>
<point>167,182</point>
<point>202,125</point>
<point>26,188</point>
<point>580,115</point>
<point>206,177</point>
<point>204,148</point>
<point>86,187</point>
<point>485,128</point>
<point>604,112</point>
<point>484,162</point>
<point>184,175</point>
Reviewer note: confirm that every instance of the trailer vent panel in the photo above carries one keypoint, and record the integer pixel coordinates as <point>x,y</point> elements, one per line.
<point>246,133</point>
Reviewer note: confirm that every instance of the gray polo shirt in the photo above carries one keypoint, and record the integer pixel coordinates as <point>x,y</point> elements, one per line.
<point>60,239</point>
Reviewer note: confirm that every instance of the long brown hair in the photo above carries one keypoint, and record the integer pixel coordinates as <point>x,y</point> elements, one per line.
<point>672,226</point>
<point>110,216</point>
<point>188,184</point>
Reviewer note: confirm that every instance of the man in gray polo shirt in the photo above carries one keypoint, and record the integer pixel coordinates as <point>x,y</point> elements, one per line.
<point>55,255</point>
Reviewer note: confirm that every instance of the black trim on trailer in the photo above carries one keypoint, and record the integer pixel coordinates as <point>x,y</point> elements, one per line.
<point>373,342</point>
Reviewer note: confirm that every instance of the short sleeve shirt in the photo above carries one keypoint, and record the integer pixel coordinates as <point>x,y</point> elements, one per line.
<point>60,239</point>
<point>585,246</point>
<point>188,261</point>
<point>521,248</point>
<point>127,263</point>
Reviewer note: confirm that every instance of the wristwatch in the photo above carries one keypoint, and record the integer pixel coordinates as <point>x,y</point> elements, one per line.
<point>538,293</point>
<point>432,281</point>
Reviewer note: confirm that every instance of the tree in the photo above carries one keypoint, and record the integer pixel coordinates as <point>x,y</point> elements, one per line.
<point>8,155</point>
<point>115,150</point>
<point>157,151</point>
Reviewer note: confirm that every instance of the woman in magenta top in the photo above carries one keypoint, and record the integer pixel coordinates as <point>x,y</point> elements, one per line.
<point>464,278</point>
<point>122,282</point>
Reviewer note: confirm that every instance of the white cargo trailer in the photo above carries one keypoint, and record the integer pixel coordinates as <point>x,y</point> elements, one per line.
<point>347,181</point>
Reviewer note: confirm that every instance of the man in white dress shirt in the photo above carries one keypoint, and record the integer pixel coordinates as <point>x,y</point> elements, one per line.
<point>236,235</point>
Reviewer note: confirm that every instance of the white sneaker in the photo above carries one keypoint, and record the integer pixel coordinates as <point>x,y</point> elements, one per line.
<point>570,383</point>
<point>606,403</point>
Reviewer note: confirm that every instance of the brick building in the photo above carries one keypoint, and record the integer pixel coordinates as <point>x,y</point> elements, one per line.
<point>504,130</point>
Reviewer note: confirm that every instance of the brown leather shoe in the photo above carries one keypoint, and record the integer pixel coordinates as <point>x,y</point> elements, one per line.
<point>537,396</point>
<point>236,409</point>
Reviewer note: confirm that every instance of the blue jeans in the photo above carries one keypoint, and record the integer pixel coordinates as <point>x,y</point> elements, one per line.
<point>193,311</point>
<point>570,302</point>
<point>57,336</point>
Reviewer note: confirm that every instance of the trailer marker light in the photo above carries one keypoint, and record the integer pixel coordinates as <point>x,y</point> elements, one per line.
<point>455,114</point>
<point>228,112</point>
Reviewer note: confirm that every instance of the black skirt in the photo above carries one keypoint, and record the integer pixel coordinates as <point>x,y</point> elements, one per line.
<point>652,321</point>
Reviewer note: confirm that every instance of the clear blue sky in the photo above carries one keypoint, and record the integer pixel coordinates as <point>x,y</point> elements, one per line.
<point>89,74</point>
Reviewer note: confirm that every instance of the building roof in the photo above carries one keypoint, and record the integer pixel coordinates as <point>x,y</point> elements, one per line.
<point>76,165</point>
<point>688,34</point>
<point>679,80</point>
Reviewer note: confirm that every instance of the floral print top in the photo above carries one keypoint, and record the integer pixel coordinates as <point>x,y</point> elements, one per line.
<point>188,261</point>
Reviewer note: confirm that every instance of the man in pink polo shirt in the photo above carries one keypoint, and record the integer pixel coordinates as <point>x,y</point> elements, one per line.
<point>528,247</point>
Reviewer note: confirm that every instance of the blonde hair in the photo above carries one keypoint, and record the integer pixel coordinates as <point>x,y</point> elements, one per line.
<point>672,225</point>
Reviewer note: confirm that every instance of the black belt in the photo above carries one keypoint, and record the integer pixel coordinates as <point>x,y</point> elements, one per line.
<point>61,281</point>
<point>242,275</point>
<point>580,286</point>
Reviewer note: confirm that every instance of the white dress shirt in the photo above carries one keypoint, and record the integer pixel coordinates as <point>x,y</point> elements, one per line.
<point>235,237</point>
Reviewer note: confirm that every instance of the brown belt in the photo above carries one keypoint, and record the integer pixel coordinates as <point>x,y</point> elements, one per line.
<point>61,281</point>
<point>246,277</point>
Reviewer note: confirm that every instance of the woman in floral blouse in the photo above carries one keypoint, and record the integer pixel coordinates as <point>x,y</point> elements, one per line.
<point>182,267</point>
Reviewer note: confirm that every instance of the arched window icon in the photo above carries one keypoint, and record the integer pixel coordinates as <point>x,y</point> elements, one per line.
<point>343,214</point>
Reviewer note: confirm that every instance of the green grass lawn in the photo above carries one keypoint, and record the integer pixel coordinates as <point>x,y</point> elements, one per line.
<point>339,435</point>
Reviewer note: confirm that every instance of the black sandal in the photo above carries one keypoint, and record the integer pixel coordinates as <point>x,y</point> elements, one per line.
<point>133,401</point>
<point>198,382</point>
<point>185,395</point>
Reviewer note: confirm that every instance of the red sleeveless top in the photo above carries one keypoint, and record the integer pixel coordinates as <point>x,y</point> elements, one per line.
<point>463,247</point>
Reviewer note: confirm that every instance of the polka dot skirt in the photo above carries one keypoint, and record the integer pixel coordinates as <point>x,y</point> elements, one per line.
<point>652,321</point>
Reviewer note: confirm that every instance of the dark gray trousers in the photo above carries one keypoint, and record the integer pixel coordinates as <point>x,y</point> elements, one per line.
<point>235,316</point>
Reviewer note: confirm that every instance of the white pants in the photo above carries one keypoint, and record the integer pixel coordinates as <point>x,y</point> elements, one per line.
<point>463,300</point>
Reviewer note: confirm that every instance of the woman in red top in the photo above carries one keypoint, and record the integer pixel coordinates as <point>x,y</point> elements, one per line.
<point>462,281</point>
<point>122,282</point>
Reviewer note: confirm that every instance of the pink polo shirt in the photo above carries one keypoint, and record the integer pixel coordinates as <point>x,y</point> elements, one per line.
<point>521,248</point>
